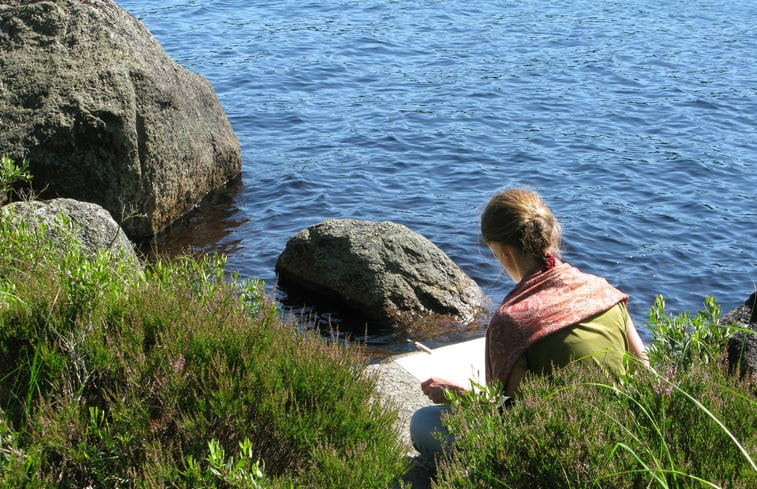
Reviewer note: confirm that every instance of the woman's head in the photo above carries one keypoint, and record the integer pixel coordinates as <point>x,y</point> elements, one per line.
<point>519,218</point>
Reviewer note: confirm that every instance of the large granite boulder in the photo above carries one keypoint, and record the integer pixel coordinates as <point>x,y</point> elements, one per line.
<point>104,115</point>
<point>67,222</point>
<point>386,272</point>
<point>742,347</point>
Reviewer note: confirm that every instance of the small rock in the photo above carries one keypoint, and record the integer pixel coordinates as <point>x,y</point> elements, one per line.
<point>742,348</point>
<point>91,225</point>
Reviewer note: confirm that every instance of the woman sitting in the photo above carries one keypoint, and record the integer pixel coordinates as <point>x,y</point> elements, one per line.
<point>555,314</point>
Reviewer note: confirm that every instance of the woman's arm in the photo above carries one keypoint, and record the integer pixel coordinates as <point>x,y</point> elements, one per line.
<point>635,345</point>
<point>516,375</point>
<point>434,387</point>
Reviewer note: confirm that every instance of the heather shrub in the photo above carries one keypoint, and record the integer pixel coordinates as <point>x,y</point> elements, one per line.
<point>178,375</point>
<point>685,422</point>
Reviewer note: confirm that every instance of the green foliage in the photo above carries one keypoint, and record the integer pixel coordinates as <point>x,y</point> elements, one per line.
<point>682,339</point>
<point>10,174</point>
<point>567,432</point>
<point>13,461</point>
<point>113,376</point>
<point>241,470</point>
<point>653,429</point>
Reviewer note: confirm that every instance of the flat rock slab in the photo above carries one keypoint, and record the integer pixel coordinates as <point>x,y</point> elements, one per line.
<point>398,387</point>
<point>398,382</point>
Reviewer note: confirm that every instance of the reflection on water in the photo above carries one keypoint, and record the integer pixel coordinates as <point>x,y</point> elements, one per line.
<point>208,227</point>
<point>315,312</point>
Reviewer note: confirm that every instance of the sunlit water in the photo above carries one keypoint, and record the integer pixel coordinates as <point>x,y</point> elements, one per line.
<point>635,120</point>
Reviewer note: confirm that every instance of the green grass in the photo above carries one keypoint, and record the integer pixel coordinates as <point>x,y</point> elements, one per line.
<point>685,422</point>
<point>182,375</point>
<point>178,375</point>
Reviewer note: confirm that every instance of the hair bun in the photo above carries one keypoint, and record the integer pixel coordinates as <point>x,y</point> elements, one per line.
<point>518,217</point>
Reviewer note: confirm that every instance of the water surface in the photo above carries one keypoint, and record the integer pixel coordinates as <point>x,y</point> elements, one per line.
<point>635,120</point>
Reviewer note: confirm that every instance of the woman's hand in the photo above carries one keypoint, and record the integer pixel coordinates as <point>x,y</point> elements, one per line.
<point>434,388</point>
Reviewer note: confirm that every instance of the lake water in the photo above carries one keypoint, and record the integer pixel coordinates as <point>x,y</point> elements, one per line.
<point>635,120</point>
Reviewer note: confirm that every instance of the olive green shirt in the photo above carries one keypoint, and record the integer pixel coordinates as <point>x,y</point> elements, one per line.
<point>601,338</point>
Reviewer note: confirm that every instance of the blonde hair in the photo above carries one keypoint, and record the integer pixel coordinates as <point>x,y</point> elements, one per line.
<point>519,218</point>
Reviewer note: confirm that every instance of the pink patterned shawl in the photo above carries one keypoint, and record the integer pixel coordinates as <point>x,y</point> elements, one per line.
<point>539,305</point>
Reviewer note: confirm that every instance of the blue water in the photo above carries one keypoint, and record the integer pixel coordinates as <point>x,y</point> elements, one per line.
<point>635,120</point>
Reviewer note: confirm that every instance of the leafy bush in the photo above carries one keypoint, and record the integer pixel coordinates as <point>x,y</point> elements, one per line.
<point>654,429</point>
<point>118,377</point>
<point>11,174</point>
<point>683,339</point>
<point>241,471</point>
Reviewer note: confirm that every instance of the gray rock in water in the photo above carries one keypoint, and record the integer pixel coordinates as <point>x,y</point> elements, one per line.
<point>104,115</point>
<point>742,348</point>
<point>88,224</point>
<point>385,271</point>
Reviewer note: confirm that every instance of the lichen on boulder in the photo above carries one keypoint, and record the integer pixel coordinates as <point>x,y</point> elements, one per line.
<point>102,113</point>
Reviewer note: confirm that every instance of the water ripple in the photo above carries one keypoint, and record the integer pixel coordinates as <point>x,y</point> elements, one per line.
<point>636,120</point>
